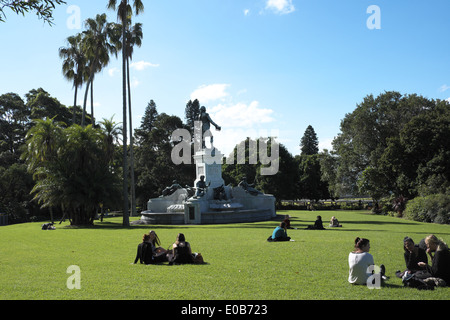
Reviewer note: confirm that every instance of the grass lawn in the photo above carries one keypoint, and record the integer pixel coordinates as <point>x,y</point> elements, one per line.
<point>241,264</point>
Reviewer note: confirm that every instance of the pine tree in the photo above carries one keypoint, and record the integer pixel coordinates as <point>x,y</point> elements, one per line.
<point>192,112</point>
<point>309,143</point>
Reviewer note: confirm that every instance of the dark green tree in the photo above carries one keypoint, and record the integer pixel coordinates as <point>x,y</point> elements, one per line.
<point>329,163</point>
<point>14,123</point>
<point>147,123</point>
<point>72,169</point>
<point>192,112</point>
<point>283,185</point>
<point>154,167</point>
<point>309,143</point>
<point>366,134</point>
<point>311,185</point>
<point>416,161</point>
<point>43,105</point>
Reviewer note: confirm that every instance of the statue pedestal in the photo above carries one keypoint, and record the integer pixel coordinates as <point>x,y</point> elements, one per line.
<point>237,206</point>
<point>208,163</point>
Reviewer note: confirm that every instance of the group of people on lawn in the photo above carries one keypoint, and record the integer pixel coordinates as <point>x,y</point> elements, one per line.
<point>149,251</point>
<point>418,273</point>
<point>280,233</point>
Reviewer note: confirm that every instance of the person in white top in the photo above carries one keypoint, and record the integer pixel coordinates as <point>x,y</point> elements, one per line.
<point>359,261</point>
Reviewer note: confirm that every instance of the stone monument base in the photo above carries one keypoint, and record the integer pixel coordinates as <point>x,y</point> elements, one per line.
<point>236,205</point>
<point>241,207</point>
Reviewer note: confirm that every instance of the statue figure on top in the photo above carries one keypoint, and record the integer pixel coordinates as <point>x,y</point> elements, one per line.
<point>206,124</point>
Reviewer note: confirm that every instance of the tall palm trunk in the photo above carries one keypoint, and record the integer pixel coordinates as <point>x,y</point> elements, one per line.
<point>74,104</point>
<point>92,102</point>
<point>91,78</point>
<point>133,192</point>
<point>126,219</point>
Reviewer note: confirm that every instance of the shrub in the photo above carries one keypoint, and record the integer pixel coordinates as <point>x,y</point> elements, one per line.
<point>433,208</point>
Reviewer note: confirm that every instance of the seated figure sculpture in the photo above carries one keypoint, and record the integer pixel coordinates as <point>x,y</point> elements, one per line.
<point>201,187</point>
<point>170,190</point>
<point>219,193</point>
<point>248,187</point>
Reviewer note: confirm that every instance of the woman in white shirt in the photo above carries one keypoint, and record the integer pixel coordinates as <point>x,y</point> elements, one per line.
<point>359,262</point>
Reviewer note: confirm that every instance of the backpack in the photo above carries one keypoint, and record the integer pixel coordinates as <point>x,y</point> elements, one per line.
<point>417,281</point>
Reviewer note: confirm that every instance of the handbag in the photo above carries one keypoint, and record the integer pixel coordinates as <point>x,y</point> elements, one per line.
<point>198,258</point>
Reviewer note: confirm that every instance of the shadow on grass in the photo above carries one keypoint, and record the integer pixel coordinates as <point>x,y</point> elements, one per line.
<point>378,222</point>
<point>391,285</point>
<point>166,264</point>
<point>297,224</point>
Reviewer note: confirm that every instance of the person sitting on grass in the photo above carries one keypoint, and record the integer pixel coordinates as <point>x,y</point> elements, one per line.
<point>145,251</point>
<point>414,254</point>
<point>359,262</point>
<point>287,221</point>
<point>318,224</point>
<point>159,253</point>
<point>439,272</point>
<point>279,233</point>
<point>334,222</point>
<point>181,252</point>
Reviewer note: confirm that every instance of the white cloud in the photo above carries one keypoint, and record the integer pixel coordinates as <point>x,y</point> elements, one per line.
<point>280,6</point>
<point>444,88</point>
<point>112,71</point>
<point>135,82</point>
<point>241,115</point>
<point>208,93</point>
<point>448,100</point>
<point>246,12</point>
<point>238,120</point>
<point>141,65</point>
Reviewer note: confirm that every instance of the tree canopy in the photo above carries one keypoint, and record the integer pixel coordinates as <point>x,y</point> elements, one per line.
<point>309,143</point>
<point>42,8</point>
<point>393,144</point>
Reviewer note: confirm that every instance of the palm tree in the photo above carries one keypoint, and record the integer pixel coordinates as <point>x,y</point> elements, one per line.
<point>99,40</point>
<point>74,65</point>
<point>42,145</point>
<point>124,11</point>
<point>134,37</point>
<point>71,169</point>
<point>112,131</point>
<point>42,139</point>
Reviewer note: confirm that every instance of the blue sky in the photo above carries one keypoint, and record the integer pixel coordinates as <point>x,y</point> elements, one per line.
<point>259,66</point>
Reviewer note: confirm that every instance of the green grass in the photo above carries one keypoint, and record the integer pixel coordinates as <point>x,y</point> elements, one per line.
<point>241,264</point>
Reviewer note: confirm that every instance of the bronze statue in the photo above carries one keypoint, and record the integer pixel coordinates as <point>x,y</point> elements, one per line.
<point>206,124</point>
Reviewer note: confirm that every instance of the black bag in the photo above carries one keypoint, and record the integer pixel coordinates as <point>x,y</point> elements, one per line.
<point>416,280</point>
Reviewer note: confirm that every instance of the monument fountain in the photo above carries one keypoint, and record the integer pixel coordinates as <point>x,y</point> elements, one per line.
<point>209,201</point>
